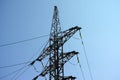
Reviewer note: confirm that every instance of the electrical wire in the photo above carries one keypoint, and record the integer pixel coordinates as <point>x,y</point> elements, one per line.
<point>35,69</point>
<point>86,56</point>
<point>39,49</point>
<point>14,65</point>
<point>22,73</point>
<point>72,63</point>
<point>31,61</point>
<point>76,38</point>
<point>40,61</point>
<point>21,41</point>
<point>37,52</point>
<point>44,67</point>
<point>42,64</point>
<point>19,63</point>
<point>11,73</point>
<point>18,71</point>
<point>80,68</point>
<point>27,65</point>
<point>18,74</point>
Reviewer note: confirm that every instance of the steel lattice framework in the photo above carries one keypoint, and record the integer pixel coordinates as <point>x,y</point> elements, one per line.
<point>57,58</point>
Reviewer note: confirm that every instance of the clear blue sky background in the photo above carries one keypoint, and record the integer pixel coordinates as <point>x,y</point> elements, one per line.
<point>99,19</point>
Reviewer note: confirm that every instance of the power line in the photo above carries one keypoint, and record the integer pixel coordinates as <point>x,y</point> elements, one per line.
<point>11,73</point>
<point>22,73</point>
<point>35,69</point>
<point>19,63</point>
<point>29,64</point>
<point>35,59</point>
<point>86,56</point>
<point>76,38</point>
<point>35,54</point>
<point>8,44</point>
<point>72,63</point>
<point>19,74</point>
<point>80,68</point>
<point>17,71</point>
<point>39,49</point>
<point>15,65</point>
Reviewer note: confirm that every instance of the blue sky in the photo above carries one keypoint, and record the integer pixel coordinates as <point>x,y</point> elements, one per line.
<point>99,19</point>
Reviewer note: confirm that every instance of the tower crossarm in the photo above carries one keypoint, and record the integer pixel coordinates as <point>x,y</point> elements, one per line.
<point>66,57</point>
<point>68,34</point>
<point>65,37</point>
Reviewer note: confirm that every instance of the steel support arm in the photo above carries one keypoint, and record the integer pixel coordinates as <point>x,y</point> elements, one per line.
<point>65,37</point>
<point>66,57</point>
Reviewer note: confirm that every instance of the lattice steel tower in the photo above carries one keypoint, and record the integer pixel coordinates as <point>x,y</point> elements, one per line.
<point>57,58</point>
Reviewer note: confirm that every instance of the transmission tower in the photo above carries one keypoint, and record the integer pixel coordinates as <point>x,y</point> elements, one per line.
<point>57,58</point>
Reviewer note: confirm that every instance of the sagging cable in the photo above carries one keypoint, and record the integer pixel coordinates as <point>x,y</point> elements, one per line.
<point>80,67</point>
<point>35,69</point>
<point>86,55</point>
